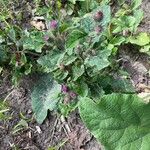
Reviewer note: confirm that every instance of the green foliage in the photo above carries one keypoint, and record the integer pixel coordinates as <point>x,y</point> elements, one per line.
<point>118,121</point>
<point>142,39</point>
<point>74,37</point>
<point>100,61</point>
<point>74,1</point>
<point>45,96</point>
<point>35,42</point>
<point>77,58</point>
<point>3,109</point>
<point>3,53</point>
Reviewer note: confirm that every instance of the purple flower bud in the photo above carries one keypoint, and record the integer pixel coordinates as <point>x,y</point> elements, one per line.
<point>73,94</point>
<point>98,16</point>
<point>46,37</point>
<point>53,24</point>
<point>64,88</point>
<point>98,29</point>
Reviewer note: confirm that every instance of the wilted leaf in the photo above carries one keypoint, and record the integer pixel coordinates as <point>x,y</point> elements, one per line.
<point>118,121</point>
<point>40,25</point>
<point>45,97</point>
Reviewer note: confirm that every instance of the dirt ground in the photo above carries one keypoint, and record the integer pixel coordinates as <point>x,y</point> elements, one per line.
<point>54,131</point>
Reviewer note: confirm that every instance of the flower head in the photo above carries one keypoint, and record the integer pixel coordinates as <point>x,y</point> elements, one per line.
<point>64,88</point>
<point>98,29</point>
<point>98,16</point>
<point>46,37</point>
<point>73,94</point>
<point>53,24</point>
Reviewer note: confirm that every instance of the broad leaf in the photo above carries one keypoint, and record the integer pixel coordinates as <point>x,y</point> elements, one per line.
<point>77,71</point>
<point>118,121</point>
<point>50,61</point>
<point>45,97</point>
<point>100,61</point>
<point>74,38</point>
<point>141,40</point>
<point>34,41</point>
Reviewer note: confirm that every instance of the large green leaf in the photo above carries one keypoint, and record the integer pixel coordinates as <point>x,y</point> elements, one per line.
<point>50,61</point>
<point>74,37</point>
<point>34,42</point>
<point>100,61</point>
<point>118,121</point>
<point>45,97</point>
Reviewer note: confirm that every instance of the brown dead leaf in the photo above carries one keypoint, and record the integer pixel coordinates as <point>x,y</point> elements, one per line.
<point>38,23</point>
<point>144,88</point>
<point>145,97</point>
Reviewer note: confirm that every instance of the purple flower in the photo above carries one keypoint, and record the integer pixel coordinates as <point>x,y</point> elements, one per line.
<point>46,37</point>
<point>98,29</point>
<point>64,88</point>
<point>73,94</point>
<point>53,24</point>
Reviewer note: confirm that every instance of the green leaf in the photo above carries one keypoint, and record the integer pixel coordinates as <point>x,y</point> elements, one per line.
<point>50,61</point>
<point>117,40</point>
<point>3,109</point>
<point>141,40</point>
<point>74,38</point>
<point>118,85</point>
<point>100,61</point>
<point>34,42</point>
<point>77,71</point>
<point>12,34</point>
<point>118,121</point>
<point>138,15</point>
<point>74,1</point>
<point>45,97</point>
<point>145,49</point>
<point>3,53</point>
<point>88,23</point>
<point>135,4</point>
<point>124,23</point>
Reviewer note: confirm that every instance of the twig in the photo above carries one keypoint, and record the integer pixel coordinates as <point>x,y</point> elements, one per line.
<point>8,95</point>
<point>66,126</point>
